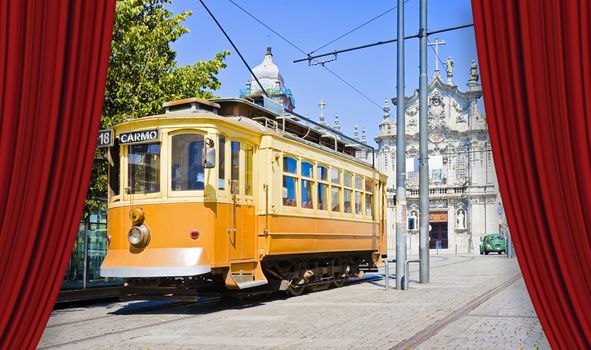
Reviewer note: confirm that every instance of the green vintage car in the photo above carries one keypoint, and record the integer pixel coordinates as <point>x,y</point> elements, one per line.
<point>493,242</point>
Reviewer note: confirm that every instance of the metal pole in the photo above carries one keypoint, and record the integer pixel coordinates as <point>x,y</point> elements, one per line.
<point>423,150</point>
<point>400,157</point>
<point>85,254</point>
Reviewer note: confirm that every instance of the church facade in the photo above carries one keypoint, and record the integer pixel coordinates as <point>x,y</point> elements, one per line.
<point>464,199</point>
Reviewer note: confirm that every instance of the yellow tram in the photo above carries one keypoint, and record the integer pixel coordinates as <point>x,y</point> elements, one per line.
<point>228,193</point>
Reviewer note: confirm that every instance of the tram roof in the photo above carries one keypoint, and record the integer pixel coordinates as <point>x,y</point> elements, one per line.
<point>295,124</point>
<point>272,117</point>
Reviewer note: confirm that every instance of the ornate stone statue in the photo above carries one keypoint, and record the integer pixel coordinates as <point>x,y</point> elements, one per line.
<point>449,67</point>
<point>474,71</point>
<point>461,220</point>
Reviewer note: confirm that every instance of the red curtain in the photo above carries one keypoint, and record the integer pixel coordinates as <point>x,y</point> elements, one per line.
<point>53,65</point>
<point>535,58</point>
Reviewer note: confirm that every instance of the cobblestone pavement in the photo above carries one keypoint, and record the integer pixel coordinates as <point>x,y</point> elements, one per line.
<point>475,302</point>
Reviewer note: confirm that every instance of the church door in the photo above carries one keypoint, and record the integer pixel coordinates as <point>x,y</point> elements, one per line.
<point>438,233</point>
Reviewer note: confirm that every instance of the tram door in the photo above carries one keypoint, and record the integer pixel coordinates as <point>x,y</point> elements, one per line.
<point>241,216</point>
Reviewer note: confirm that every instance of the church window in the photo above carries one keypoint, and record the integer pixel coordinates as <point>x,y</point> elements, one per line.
<point>461,169</point>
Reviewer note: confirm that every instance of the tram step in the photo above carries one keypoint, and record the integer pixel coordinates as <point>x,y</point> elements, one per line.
<point>242,275</point>
<point>251,284</point>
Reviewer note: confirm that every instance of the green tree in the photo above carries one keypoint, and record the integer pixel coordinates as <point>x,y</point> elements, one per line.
<point>143,73</point>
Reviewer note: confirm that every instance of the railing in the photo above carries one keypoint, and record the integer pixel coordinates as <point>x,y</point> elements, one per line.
<point>280,91</point>
<point>268,123</point>
<point>439,191</point>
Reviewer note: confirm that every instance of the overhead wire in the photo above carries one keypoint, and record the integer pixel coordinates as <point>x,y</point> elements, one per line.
<point>302,51</point>
<point>235,48</point>
<point>356,28</point>
<point>266,26</point>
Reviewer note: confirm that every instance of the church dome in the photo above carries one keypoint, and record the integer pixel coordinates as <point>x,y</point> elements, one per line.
<point>267,74</point>
<point>267,69</point>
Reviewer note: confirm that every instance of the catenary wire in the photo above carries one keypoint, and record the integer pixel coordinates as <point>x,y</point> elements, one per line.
<point>235,48</point>
<point>356,28</point>
<point>302,51</point>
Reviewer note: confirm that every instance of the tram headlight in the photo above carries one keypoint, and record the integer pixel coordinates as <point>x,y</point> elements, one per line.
<point>139,236</point>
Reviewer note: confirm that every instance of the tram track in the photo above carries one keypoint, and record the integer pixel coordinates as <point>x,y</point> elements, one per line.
<point>430,331</point>
<point>208,300</point>
<point>209,304</point>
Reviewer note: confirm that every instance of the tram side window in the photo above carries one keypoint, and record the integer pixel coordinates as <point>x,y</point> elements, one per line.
<point>348,192</point>
<point>335,190</point>
<point>358,195</point>
<point>307,185</point>
<point>322,177</point>
<point>187,168</point>
<point>289,181</point>
<point>222,163</point>
<point>369,198</point>
<point>144,168</point>
<point>235,159</point>
<point>114,169</point>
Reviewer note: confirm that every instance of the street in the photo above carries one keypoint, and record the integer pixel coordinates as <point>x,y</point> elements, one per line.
<point>472,302</point>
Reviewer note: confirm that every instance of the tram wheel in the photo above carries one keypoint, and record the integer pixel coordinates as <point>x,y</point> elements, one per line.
<point>295,289</point>
<point>339,281</point>
<point>341,278</point>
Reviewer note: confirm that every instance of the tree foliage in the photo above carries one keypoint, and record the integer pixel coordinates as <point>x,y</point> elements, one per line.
<point>143,73</point>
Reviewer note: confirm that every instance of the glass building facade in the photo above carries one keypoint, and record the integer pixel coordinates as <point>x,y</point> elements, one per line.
<point>89,250</point>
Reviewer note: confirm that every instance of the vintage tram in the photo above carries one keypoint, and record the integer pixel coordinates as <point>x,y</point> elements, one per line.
<point>228,193</point>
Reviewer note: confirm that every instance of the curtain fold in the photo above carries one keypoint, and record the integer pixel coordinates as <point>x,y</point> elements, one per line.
<point>53,66</point>
<point>535,57</point>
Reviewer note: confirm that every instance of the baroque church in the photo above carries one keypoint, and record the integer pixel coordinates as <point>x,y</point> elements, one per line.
<point>464,199</point>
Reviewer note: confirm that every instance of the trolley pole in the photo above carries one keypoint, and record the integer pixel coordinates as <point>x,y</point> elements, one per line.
<point>400,157</point>
<point>424,151</point>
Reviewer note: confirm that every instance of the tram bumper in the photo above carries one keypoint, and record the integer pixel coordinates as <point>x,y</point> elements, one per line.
<point>162,262</point>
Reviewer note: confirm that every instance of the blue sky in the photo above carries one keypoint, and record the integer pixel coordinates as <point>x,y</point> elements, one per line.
<point>311,24</point>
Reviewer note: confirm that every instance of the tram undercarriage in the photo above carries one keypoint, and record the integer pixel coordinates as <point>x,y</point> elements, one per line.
<point>290,274</point>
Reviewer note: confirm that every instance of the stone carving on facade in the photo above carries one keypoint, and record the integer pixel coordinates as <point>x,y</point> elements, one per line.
<point>411,184</point>
<point>461,115</point>
<point>436,136</point>
<point>436,111</point>
<point>412,151</point>
<point>438,204</point>
<point>412,116</point>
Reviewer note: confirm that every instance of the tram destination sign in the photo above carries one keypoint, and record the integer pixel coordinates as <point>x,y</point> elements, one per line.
<point>105,138</point>
<point>140,136</point>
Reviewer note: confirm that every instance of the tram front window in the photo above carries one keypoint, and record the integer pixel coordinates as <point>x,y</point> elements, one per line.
<point>187,167</point>
<point>144,168</point>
